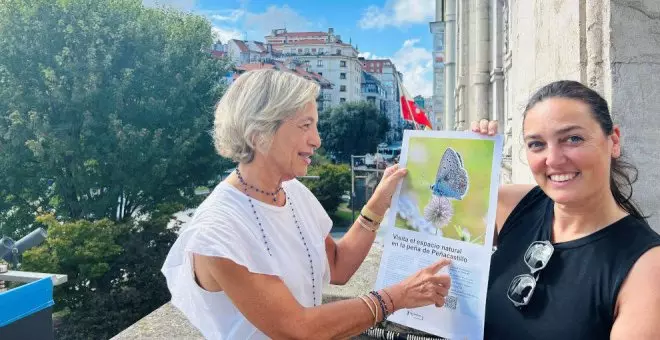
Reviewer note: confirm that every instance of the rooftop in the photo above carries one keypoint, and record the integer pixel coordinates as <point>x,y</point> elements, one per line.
<point>286,66</point>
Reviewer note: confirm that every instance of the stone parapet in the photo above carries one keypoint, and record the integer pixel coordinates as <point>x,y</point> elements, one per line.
<point>167,322</point>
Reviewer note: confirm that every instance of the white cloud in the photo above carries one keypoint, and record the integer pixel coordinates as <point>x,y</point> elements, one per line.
<point>416,65</point>
<point>227,15</point>
<point>178,4</point>
<point>225,34</point>
<point>398,13</point>
<point>237,23</point>
<point>261,24</point>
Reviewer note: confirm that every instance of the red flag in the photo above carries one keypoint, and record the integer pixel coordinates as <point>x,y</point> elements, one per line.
<point>410,111</point>
<point>406,113</point>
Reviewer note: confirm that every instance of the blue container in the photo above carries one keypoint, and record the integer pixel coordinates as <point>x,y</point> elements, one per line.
<point>26,311</point>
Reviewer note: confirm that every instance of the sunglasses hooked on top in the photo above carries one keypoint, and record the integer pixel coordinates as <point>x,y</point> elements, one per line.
<point>522,286</point>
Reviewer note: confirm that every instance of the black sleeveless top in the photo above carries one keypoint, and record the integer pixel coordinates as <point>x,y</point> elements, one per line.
<point>576,292</point>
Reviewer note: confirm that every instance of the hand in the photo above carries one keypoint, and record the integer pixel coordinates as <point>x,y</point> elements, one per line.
<point>382,197</point>
<point>422,288</point>
<point>484,127</point>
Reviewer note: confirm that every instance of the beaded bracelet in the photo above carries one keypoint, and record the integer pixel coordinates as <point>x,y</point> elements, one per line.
<point>389,297</point>
<point>383,306</point>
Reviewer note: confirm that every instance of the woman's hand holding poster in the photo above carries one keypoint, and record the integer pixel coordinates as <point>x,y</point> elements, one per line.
<point>444,207</point>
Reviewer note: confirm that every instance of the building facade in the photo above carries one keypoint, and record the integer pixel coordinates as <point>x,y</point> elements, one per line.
<point>507,49</point>
<point>245,52</point>
<point>294,66</point>
<point>385,71</point>
<point>326,54</point>
<point>351,78</point>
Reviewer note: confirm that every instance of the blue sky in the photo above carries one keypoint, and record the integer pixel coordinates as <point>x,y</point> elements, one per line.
<point>395,29</point>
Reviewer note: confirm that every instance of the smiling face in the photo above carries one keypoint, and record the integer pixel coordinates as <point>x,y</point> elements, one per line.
<point>567,150</point>
<point>294,143</point>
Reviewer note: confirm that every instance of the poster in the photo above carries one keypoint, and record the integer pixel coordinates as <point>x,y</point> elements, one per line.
<point>444,207</point>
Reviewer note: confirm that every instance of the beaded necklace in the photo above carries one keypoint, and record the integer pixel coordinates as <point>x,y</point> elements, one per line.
<point>295,219</point>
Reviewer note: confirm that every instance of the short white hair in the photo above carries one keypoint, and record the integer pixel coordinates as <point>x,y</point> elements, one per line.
<point>254,107</point>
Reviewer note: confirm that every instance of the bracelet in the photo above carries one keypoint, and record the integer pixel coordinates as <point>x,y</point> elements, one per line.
<point>370,215</point>
<point>383,306</point>
<point>372,229</point>
<point>389,297</point>
<point>369,306</point>
<point>367,218</point>
<point>375,308</point>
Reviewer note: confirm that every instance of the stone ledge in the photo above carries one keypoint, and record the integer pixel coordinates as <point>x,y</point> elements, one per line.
<point>167,322</point>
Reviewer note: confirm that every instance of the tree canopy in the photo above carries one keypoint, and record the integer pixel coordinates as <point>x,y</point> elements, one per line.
<point>105,113</point>
<point>105,109</point>
<point>352,129</point>
<point>333,181</point>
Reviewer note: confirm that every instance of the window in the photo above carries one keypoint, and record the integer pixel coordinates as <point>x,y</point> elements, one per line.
<point>342,76</point>
<point>342,63</point>
<point>321,74</point>
<point>342,100</point>
<point>319,63</point>
<point>342,88</point>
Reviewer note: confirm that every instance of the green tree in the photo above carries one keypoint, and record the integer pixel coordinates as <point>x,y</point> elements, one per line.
<point>105,108</point>
<point>333,181</point>
<point>113,271</point>
<point>352,129</point>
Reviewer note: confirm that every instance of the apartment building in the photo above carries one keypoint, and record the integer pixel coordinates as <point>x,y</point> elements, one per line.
<point>293,66</point>
<point>385,71</point>
<point>326,54</point>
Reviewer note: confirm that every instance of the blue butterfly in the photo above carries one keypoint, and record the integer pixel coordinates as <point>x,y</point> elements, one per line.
<point>452,179</point>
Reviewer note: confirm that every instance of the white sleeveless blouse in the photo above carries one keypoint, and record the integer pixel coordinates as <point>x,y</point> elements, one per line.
<point>224,225</point>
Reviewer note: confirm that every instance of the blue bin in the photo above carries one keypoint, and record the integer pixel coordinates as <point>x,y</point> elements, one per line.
<point>26,311</point>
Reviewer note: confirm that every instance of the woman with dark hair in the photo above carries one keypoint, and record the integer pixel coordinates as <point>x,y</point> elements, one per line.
<point>575,257</point>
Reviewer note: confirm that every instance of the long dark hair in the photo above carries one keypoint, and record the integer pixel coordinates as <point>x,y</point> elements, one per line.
<point>622,174</point>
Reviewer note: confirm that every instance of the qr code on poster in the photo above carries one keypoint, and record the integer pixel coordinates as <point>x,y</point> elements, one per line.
<point>451,302</point>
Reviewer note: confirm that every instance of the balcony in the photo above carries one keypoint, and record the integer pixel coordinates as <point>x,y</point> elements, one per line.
<point>168,323</point>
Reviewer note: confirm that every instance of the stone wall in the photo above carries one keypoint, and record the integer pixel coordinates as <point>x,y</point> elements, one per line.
<point>544,39</point>
<point>614,47</point>
<point>634,60</point>
<point>167,322</point>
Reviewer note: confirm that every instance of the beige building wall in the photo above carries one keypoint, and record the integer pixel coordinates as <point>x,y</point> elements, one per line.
<point>612,46</point>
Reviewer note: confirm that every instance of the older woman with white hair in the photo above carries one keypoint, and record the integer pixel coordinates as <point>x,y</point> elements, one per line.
<point>254,260</point>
